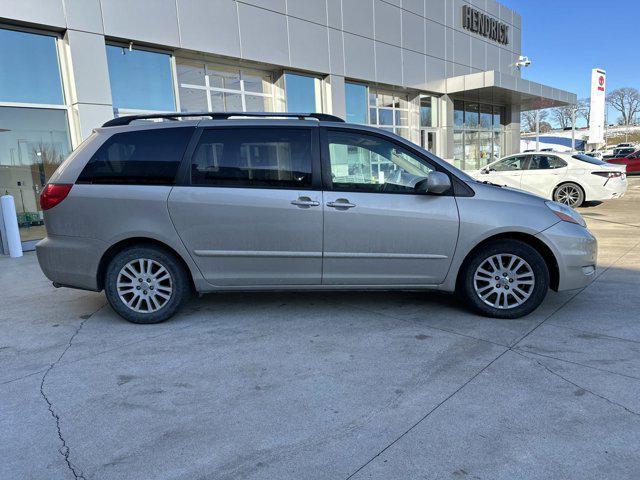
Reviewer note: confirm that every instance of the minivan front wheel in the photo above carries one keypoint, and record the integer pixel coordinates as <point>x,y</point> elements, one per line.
<point>505,279</point>
<point>146,284</point>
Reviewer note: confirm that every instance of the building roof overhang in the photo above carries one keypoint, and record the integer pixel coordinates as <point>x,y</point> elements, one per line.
<point>497,87</point>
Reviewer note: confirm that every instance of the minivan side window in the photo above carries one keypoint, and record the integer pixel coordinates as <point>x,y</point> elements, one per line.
<point>253,157</point>
<point>545,162</point>
<point>368,163</point>
<point>148,157</point>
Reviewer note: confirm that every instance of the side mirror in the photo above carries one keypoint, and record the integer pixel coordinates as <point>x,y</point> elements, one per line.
<point>484,171</point>
<point>436,182</point>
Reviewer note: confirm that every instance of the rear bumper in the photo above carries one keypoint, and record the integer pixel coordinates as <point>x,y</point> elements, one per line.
<point>576,252</point>
<point>607,191</point>
<point>71,261</point>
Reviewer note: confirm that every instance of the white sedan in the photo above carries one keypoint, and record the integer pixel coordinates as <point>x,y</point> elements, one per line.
<point>567,178</point>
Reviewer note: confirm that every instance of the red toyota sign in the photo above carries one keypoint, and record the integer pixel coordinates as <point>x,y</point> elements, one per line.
<point>601,83</point>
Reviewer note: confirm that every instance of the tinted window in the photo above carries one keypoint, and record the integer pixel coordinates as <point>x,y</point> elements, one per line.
<point>253,157</point>
<point>369,163</point>
<point>586,158</point>
<point>139,157</point>
<point>508,164</point>
<point>545,162</point>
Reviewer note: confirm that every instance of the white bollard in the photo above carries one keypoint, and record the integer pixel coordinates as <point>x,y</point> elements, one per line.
<point>11,225</point>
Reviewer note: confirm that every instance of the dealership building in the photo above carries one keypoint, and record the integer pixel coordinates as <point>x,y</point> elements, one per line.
<point>442,73</point>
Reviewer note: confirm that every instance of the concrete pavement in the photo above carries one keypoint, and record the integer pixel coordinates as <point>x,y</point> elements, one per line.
<point>315,385</point>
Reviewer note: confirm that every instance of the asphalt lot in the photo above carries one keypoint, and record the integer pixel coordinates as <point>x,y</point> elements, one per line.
<point>315,385</point>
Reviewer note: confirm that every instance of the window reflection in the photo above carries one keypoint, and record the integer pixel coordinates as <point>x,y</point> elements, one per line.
<point>389,112</point>
<point>33,142</point>
<point>222,89</point>
<point>29,71</point>
<point>478,136</point>
<point>356,102</point>
<point>140,80</point>
<point>302,93</point>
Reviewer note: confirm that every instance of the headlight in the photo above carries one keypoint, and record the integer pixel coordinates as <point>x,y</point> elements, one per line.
<point>565,213</point>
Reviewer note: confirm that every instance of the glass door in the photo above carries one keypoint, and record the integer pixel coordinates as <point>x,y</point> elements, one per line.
<point>428,140</point>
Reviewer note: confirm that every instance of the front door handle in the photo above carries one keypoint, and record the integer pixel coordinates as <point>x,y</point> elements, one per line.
<point>305,202</point>
<point>341,203</point>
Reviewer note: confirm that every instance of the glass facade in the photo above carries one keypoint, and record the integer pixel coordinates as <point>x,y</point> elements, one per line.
<point>477,139</point>
<point>34,129</point>
<point>390,112</point>
<point>356,103</point>
<point>29,71</point>
<point>33,142</point>
<point>140,80</point>
<point>428,111</point>
<point>206,87</point>
<point>302,93</point>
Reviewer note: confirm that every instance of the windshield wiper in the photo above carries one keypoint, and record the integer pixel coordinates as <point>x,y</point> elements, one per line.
<point>487,182</point>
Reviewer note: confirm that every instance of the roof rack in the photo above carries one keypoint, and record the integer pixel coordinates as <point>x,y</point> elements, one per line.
<point>126,120</point>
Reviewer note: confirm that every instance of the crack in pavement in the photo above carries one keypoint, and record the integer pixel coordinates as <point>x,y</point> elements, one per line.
<point>553,372</point>
<point>64,449</point>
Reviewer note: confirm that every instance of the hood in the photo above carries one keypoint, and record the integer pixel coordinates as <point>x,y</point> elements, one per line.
<point>507,194</point>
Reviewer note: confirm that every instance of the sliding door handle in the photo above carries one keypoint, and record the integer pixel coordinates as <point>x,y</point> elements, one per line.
<point>305,202</point>
<point>341,203</point>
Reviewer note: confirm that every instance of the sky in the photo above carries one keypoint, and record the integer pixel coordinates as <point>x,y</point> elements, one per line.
<point>565,39</point>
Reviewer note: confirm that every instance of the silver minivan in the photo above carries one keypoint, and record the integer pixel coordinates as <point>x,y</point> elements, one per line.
<point>152,211</point>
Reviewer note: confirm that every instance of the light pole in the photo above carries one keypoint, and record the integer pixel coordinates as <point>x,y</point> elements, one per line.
<point>537,130</point>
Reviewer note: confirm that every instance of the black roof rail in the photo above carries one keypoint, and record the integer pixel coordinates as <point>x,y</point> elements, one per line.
<point>126,120</point>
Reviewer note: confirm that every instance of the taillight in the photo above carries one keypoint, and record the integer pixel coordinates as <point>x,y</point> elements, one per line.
<point>53,194</point>
<point>608,174</point>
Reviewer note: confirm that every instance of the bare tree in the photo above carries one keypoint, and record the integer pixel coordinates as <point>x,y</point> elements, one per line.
<point>528,119</point>
<point>584,109</point>
<point>545,127</point>
<point>625,100</point>
<point>563,115</point>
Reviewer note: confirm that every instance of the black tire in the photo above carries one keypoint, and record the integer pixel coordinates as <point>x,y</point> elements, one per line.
<point>159,308</point>
<point>560,194</point>
<point>535,264</point>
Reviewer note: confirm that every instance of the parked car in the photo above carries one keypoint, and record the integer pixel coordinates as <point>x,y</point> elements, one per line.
<point>619,153</point>
<point>595,154</point>
<point>152,212</point>
<point>570,179</point>
<point>631,162</point>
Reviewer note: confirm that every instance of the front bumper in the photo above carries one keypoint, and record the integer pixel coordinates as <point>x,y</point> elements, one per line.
<point>576,252</point>
<point>71,261</point>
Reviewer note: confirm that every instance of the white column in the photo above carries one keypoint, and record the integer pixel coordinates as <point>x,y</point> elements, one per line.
<point>11,230</point>
<point>88,82</point>
<point>336,98</point>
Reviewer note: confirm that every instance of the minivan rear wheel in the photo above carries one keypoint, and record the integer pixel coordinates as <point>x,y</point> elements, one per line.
<point>505,279</point>
<point>146,284</point>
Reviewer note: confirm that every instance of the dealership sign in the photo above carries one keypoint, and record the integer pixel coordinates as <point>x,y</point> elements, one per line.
<point>597,106</point>
<point>485,25</point>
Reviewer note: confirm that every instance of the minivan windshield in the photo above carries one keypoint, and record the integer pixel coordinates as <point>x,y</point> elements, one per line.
<point>586,158</point>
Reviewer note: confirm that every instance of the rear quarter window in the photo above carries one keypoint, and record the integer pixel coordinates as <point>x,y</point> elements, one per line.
<point>147,157</point>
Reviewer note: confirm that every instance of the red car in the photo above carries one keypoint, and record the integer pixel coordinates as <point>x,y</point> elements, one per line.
<point>632,161</point>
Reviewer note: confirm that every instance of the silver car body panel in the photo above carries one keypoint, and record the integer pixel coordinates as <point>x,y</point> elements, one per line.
<point>250,236</point>
<point>388,238</point>
<point>256,239</point>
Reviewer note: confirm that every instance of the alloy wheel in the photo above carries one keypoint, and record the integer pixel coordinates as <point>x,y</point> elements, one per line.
<point>568,195</point>
<point>144,285</point>
<point>504,281</point>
